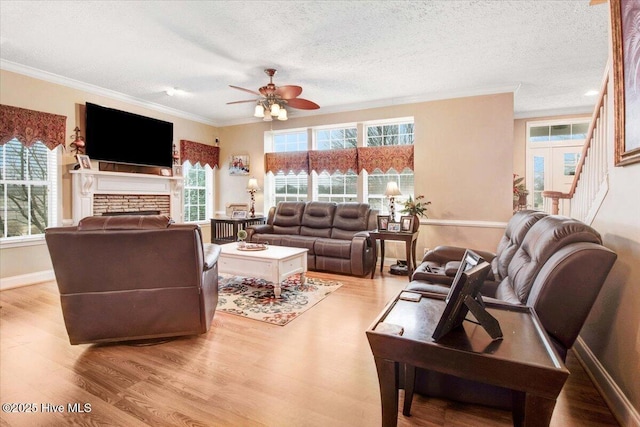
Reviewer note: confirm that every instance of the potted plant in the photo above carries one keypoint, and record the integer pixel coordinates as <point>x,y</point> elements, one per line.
<point>519,192</point>
<point>242,234</point>
<point>416,207</point>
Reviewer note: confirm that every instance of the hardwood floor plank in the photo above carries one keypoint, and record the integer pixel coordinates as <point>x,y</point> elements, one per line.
<point>316,371</point>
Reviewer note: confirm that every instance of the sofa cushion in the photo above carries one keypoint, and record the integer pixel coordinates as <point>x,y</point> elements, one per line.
<point>124,222</point>
<point>517,227</point>
<point>335,248</point>
<point>288,217</point>
<point>307,242</point>
<point>349,219</point>
<point>545,238</point>
<point>318,219</point>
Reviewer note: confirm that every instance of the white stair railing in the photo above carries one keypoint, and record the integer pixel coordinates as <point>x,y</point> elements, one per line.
<point>590,183</point>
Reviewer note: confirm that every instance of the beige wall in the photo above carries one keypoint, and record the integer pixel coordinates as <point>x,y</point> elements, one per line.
<point>612,330</point>
<point>463,162</point>
<point>26,92</point>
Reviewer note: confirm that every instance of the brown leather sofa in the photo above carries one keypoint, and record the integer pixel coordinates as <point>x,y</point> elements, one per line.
<point>336,234</point>
<point>558,269</point>
<point>130,277</point>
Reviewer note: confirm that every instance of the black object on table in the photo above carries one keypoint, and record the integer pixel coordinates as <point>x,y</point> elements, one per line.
<point>225,229</point>
<point>524,360</point>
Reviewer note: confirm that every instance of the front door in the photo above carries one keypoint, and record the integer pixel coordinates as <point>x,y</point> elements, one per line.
<point>553,152</point>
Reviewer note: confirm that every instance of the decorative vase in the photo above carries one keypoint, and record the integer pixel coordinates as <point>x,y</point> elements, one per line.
<point>416,223</point>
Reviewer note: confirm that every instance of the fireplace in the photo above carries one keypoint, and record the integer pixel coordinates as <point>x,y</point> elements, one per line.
<point>99,192</point>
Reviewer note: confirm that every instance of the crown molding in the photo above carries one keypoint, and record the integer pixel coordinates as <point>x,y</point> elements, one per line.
<point>553,112</point>
<point>388,102</point>
<point>97,90</point>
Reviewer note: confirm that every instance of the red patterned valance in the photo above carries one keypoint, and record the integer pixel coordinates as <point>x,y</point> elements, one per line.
<point>29,127</point>
<point>332,161</point>
<point>295,161</point>
<point>384,158</point>
<point>196,152</point>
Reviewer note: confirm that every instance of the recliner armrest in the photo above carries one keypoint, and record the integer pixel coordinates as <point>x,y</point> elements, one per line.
<point>211,253</point>
<point>444,254</point>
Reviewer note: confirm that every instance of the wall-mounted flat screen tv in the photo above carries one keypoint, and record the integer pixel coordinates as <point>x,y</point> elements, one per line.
<point>122,137</point>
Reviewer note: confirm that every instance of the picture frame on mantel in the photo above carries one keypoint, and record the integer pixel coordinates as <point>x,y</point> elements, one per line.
<point>84,161</point>
<point>626,86</point>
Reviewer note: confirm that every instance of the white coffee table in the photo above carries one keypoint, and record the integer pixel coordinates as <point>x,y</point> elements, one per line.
<point>275,263</point>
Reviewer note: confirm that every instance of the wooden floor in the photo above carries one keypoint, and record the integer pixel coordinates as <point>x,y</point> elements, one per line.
<point>315,371</point>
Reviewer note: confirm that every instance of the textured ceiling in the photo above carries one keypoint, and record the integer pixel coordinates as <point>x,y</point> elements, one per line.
<point>345,55</point>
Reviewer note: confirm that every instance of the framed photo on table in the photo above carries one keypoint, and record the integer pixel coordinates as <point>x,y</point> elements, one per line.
<point>406,223</point>
<point>239,214</point>
<point>394,227</point>
<point>383,221</point>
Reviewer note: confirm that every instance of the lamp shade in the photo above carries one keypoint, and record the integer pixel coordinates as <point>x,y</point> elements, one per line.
<point>252,185</point>
<point>259,111</point>
<point>392,189</point>
<point>282,115</point>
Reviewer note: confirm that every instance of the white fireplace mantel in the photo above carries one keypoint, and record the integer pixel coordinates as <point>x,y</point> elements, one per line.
<point>87,182</point>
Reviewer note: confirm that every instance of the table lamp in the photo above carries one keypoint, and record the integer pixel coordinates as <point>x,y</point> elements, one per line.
<point>391,192</point>
<point>252,187</point>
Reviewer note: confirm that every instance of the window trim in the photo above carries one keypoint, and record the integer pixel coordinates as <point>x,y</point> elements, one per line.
<point>55,174</point>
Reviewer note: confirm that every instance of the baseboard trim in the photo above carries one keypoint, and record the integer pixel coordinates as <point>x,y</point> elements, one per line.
<point>26,279</point>
<point>620,406</point>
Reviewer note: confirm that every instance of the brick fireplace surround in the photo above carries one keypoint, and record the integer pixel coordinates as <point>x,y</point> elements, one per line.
<point>97,192</point>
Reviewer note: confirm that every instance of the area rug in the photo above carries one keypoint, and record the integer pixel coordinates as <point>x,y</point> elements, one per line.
<point>254,298</point>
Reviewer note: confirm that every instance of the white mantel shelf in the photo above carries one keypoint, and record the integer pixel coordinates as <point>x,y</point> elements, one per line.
<point>87,182</point>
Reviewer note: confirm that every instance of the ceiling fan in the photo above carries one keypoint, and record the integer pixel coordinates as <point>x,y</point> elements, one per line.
<point>273,99</point>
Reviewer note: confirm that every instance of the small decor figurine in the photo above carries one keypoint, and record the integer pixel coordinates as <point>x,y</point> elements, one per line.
<point>242,234</point>
<point>77,145</point>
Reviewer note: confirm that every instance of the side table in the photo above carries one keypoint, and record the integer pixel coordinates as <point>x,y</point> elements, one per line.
<point>225,229</point>
<point>410,240</point>
<point>524,361</point>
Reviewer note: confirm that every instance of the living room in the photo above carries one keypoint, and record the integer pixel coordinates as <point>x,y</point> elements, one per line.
<point>467,149</point>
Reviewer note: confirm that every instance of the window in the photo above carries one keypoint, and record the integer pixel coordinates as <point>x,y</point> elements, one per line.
<point>341,186</point>
<point>558,132</point>
<point>337,187</point>
<point>290,187</point>
<point>376,182</point>
<point>198,195</point>
<point>28,189</point>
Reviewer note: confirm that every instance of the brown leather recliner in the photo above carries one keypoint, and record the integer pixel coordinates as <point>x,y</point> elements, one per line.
<point>558,270</point>
<point>133,278</point>
<point>440,264</point>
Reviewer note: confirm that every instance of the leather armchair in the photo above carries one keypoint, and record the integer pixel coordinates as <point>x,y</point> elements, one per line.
<point>133,278</point>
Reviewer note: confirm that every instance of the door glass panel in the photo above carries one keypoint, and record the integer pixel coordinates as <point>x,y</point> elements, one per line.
<point>538,182</point>
<point>539,133</point>
<point>560,132</point>
<point>570,163</point>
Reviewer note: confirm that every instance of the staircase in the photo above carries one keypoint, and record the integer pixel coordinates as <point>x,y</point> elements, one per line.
<point>592,171</point>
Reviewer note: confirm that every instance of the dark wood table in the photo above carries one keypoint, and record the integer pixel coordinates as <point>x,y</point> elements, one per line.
<point>225,229</point>
<point>410,240</point>
<point>524,360</point>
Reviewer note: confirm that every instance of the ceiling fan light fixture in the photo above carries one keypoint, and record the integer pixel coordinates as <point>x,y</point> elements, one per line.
<point>282,115</point>
<point>275,109</point>
<point>259,111</point>
<point>267,116</point>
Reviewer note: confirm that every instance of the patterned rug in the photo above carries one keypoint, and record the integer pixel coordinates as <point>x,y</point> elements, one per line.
<point>254,298</point>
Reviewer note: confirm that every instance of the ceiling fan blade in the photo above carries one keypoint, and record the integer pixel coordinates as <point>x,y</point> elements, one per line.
<point>302,104</point>
<point>253,92</point>
<point>240,102</point>
<point>288,91</point>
